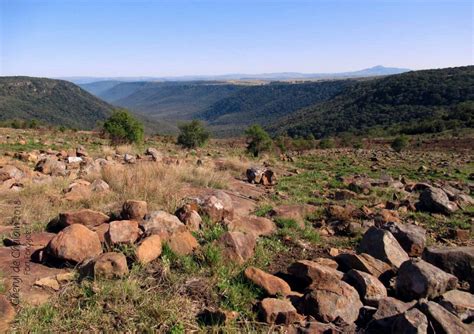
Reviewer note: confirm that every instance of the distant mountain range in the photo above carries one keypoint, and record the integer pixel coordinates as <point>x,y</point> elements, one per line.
<point>368,72</point>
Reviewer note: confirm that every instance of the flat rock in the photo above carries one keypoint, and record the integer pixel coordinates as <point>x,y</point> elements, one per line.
<point>258,226</point>
<point>86,217</point>
<point>278,311</point>
<point>272,285</point>
<point>419,279</point>
<point>35,240</point>
<point>382,245</point>
<point>460,303</point>
<point>363,262</point>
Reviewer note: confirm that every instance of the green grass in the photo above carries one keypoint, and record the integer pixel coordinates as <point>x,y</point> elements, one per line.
<point>263,209</point>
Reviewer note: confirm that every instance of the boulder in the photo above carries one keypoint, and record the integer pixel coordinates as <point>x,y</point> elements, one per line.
<point>435,200</point>
<point>122,232</point>
<point>154,153</point>
<point>311,272</point>
<point>51,166</point>
<point>458,261</point>
<point>149,249</point>
<point>412,238</point>
<point>254,175</point>
<point>218,206</point>
<point>326,262</point>
<point>328,300</point>
<point>182,242</point>
<point>134,210</point>
<point>86,217</point>
<point>237,246</point>
<point>442,321</point>
<point>460,303</point>
<point>419,279</point>
<point>188,215</point>
<point>129,158</point>
<point>363,262</point>
<point>272,285</point>
<point>410,322</point>
<point>75,243</point>
<point>278,311</point>
<point>387,311</point>
<point>108,265</point>
<point>7,314</point>
<point>382,245</point>
<point>268,178</point>
<point>370,289</point>
<point>258,226</point>
<point>162,223</point>
<point>99,186</point>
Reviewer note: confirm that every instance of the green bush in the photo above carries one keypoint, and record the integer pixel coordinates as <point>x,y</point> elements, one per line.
<point>399,143</point>
<point>326,143</point>
<point>122,128</point>
<point>193,134</point>
<point>258,140</point>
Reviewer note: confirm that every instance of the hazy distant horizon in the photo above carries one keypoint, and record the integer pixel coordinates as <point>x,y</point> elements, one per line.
<point>103,38</point>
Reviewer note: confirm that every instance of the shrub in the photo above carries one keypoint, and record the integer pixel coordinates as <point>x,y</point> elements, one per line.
<point>193,134</point>
<point>122,128</point>
<point>399,143</point>
<point>326,143</point>
<point>258,140</point>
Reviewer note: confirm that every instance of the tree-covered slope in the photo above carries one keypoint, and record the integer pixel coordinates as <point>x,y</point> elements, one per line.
<point>418,101</point>
<point>51,101</point>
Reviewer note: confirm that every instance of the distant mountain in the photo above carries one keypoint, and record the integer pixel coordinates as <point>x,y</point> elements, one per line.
<point>51,101</point>
<point>373,71</point>
<point>414,102</point>
<point>99,87</point>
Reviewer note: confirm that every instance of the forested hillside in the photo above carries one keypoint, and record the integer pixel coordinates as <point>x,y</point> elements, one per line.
<point>413,102</point>
<point>50,101</point>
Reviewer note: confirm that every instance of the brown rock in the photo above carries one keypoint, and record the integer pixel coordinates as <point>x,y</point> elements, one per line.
<point>218,206</point>
<point>134,210</point>
<point>149,249</point>
<point>258,226</point>
<point>86,217</point>
<point>443,321</point>
<point>460,303</point>
<point>326,262</point>
<point>122,232</point>
<point>363,262</point>
<point>182,242</point>
<point>382,245</point>
<point>278,311</point>
<point>35,240</point>
<point>295,212</point>
<point>387,311</point>
<point>75,243</point>
<point>190,217</point>
<point>10,172</point>
<point>51,166</point>
<point>311,272</point>
<point>99,186</point>
<point>109,265</point>
<point>412,321</point>
<point>328,300</point>
<point>7,314</point>
<point>101,231</point>
<point>435,200</point>
<point>271,284</point>
<point>412,238</point>
<point>162,223</point>
<point>48,282</point>
<point>418,279</point>
<point>237,246</point>
<point>370,289</point>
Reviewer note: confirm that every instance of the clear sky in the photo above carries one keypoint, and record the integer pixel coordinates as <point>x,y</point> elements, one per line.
<point>165,38</point>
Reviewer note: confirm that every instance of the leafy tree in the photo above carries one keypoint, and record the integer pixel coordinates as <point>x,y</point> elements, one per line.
<point>193,134</point>
<point>122,127</point>
<point>399,143</point>
<point>258,140</point>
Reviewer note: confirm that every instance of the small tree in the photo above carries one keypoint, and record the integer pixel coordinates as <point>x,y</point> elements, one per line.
<point>122,127</point>
<point>399,143</point>
<point>258,140</point>
<point>193,134</point>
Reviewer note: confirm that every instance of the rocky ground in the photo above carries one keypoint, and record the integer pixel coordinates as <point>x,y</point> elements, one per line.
<point>160,239</point>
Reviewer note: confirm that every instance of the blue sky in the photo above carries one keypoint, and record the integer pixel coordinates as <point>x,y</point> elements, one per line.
<point>163,38</point>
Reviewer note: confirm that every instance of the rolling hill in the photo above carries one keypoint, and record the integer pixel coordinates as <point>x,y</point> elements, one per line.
<point>413,102</point>
<point>50,101</point>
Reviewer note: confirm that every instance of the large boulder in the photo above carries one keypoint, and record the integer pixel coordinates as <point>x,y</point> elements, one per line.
<point>443,321</point>
<point>370,289</point>
<point>278,311</point>
<point>458,261</point>
<point>382,245</point>
<point>363,262</point>
<point>134,210</point>
<point>435,200</point>
<point>86,217</point>
<point>149,249</point>
<point>75,243</point>
<point>122,232</point>
<point>272,285</point>
<point>309,272</point>
<point>460,303</point>
<point>328,300</point>
<point>237,246</point>
<point>412,321</point>
<point>387,311</point>
<point>412,238</point>
<point>419,279</point>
